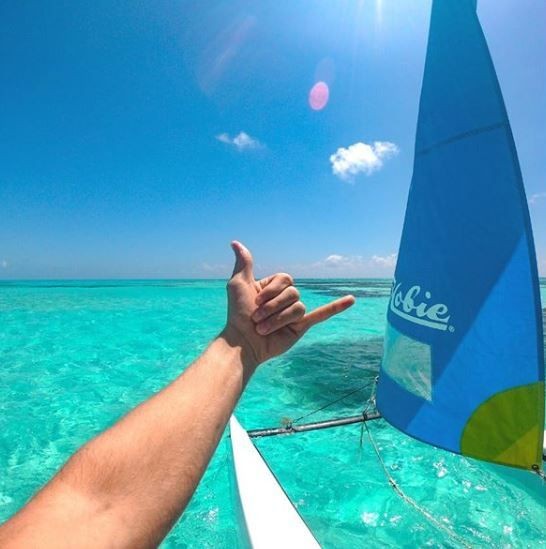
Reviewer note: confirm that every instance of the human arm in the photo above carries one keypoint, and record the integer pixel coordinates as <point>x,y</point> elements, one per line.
<point>129,485</point>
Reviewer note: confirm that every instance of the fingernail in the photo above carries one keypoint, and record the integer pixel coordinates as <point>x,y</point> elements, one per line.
<point>263,328</point>
<point>259,299</point>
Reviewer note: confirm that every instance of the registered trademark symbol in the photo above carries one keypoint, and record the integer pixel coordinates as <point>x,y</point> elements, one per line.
<point>451,329</point>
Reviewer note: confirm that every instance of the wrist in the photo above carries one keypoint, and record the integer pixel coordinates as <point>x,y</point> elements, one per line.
<point>234,340</point>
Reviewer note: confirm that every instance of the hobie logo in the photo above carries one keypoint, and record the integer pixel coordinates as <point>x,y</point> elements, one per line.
<point>411,306</point>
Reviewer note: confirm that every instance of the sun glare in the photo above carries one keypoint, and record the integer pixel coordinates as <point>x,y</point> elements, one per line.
<point>318,96</point>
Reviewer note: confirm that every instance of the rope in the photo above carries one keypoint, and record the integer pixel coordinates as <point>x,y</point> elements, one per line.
<point>396,487</point>
<point>371,400</point>
<point>332,402</point>
<point>398,490</point>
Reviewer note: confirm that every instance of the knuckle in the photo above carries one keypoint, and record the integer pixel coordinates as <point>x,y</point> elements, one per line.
<point>292,293</point>
<point>285,277</point>
<point>231,283</point>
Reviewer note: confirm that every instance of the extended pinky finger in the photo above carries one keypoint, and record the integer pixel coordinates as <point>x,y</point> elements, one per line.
<point>320,314</point>
<point>293,313</point>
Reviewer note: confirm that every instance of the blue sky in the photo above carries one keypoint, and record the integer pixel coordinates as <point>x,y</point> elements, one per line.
<point>138,138</point>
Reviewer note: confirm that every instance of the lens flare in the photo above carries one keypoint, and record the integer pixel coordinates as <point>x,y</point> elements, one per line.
<point>318,96</point>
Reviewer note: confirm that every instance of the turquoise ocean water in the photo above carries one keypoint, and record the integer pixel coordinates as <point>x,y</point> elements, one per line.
<point>77,355</point>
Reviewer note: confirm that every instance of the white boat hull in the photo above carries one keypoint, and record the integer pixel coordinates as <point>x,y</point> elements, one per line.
<point>270,518</point>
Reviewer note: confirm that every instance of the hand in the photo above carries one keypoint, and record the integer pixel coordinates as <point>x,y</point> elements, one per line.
<point>266,317</point>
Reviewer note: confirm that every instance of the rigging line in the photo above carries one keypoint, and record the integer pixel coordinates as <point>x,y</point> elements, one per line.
<point>410,501</point>
<point>332,402</point>
<point>371,400</point>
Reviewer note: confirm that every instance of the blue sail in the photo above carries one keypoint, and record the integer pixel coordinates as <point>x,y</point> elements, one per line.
<point>463,366</point>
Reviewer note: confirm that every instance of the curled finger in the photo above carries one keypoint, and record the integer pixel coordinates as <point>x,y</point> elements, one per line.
<point>272,286</point>
<point>278,303</point>
<point>293,313</point>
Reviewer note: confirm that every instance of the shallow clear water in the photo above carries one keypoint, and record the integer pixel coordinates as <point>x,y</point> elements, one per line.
<point>77,355</point>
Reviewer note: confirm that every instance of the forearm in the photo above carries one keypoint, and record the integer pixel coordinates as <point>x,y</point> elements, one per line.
<point>136,478</point>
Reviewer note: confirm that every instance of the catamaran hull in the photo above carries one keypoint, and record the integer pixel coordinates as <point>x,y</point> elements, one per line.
<point>268,517</point>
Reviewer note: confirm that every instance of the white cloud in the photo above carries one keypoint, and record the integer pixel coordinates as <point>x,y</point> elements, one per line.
<point>350,266</point>
<point>536,197</point>
<point>334,260</point>
<point>386,261</point>
<point>361,158</point>
<point>241,141</point>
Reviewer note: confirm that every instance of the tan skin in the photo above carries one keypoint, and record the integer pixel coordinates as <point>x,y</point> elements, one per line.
<point>129,485</point>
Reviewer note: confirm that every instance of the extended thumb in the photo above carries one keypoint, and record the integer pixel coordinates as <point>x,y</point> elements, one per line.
<point>243,260</point>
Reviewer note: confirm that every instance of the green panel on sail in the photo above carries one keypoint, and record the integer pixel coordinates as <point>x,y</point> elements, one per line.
<point>463,366</point>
